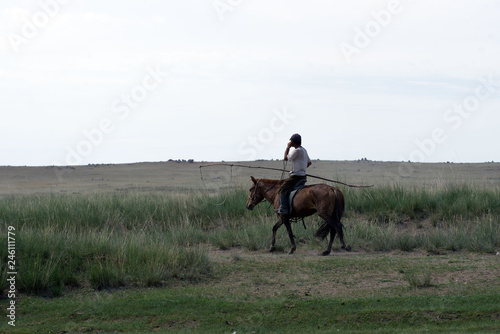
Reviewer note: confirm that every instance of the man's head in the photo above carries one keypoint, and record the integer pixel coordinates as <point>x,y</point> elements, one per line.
<point>296,139</point>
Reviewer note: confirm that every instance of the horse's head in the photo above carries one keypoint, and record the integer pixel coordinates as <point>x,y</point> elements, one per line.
<point>255,196</point>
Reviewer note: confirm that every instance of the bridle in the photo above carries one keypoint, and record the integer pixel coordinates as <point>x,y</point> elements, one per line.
<point>252,198</point>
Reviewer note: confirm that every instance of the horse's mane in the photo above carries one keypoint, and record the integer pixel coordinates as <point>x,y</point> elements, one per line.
<point>271,181</point>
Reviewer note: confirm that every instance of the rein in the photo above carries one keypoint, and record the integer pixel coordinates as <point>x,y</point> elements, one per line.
<point>281,178</point>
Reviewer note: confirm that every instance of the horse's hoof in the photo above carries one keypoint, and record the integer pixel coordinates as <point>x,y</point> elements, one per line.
<point>291,251</point>
<point>325,253</point>
<point>348,248</point>
<point>272,249</point>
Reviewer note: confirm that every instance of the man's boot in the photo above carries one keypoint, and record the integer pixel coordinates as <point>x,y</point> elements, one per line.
<point>284,209</point>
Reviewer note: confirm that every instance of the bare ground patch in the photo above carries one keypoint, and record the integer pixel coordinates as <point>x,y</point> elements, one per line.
<point>355,274</point>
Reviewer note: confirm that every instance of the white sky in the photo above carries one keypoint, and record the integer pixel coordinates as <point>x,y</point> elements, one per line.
<point>85,81</point>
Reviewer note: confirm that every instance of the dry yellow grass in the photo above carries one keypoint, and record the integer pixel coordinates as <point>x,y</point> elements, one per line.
<point>182,176</point>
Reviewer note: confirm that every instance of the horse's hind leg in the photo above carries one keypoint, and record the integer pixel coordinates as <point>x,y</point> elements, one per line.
<point>339,229</point>
<point>275,228</point>
<point>331,225</point>
<point>335,227</point>
<point>330,242</point>
<point>290,235</point>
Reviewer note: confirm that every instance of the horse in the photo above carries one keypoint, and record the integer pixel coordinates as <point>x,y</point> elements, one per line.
<point>323,199</point>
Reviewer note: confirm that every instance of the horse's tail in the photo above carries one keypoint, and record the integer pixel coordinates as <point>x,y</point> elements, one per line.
<point>323,230</point>
<point>338,211</point>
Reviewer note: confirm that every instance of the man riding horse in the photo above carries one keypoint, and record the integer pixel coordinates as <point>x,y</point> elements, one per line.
<point>300,161</point>
<point>325,200</point>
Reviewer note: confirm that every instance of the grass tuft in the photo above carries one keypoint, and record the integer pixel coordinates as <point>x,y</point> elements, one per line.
<point>418,279</point>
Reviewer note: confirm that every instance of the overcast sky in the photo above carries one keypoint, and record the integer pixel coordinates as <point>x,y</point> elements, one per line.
<point>85,81</point>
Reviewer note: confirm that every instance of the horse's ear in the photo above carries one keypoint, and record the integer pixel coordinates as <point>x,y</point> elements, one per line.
<point>253,180</point>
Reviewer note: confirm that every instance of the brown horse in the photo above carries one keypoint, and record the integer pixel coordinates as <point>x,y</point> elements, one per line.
<point>326,200</point>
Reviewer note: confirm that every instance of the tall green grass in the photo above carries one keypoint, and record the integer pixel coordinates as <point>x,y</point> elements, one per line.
<point>447,203</point>
<point>130,210</point>
<point>49,260</point>
<point>112,240</point>
<point>478,235</point>
<point>105,241</point>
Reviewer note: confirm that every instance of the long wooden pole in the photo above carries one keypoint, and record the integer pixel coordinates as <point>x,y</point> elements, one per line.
<point>282,170</point>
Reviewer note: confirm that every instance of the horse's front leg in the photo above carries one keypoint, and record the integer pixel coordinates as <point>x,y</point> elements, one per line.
<point>290,235</point>
<point>275,229</point>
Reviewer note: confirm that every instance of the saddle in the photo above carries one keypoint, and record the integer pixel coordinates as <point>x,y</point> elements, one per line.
<point>301,184</point>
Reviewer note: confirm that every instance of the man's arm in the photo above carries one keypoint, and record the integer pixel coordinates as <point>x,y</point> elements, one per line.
<point>287,151</point>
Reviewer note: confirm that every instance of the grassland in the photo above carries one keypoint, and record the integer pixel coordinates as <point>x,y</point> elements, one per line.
<point>107,252</point>
<point>262,293</point>
<point>180,177</point>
